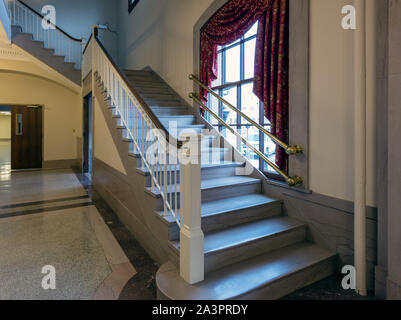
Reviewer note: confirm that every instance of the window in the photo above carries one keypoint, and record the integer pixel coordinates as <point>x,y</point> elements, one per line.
<point>132,4</point>
<point>18,125</point>
<point>236,63</point>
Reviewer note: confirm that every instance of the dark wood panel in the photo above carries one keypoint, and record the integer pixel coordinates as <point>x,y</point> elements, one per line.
<point>26,142</point>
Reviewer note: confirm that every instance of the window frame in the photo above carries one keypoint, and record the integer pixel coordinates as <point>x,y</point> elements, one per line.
<point>238,85</point>
<point>131,5</point>
<point>298,110</point>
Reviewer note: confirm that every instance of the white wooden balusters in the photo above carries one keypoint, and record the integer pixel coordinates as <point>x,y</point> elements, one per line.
<point>52,37</point>
<point>175,173</point>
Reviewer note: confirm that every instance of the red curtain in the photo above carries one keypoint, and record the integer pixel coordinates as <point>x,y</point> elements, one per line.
<point>230,23</point>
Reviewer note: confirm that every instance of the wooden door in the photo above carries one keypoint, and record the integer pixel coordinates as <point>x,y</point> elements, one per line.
<point>26,137</point>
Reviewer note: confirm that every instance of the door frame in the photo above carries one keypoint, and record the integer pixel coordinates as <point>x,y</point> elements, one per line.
<point>12,105</point>
<point>87,127</point>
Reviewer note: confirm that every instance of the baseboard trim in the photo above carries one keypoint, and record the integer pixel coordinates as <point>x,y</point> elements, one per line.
<point>380,282</point>
<point>333,203</point>
<point>5,140</point>
<point>393,290</point>
<point>60,164</point>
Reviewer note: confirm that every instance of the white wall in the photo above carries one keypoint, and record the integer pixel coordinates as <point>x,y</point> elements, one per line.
<point>76,17</point>
<point>5,127</point>
<point>159,33</point>
<point>331,102</point>
<point>104,147</point>
<point>62,111</point>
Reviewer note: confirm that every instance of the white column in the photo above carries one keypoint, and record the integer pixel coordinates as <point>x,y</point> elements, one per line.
<point>360,149</point>
<point>191,235</point>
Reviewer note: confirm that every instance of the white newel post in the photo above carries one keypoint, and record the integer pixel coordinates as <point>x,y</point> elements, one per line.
<point>191,235</point>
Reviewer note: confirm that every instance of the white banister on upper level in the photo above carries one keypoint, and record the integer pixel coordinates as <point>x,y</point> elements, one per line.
<point>30,21</point>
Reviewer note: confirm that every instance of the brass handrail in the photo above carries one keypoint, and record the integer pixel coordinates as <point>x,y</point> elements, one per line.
<point>291,181</point>
<point>290,150</point>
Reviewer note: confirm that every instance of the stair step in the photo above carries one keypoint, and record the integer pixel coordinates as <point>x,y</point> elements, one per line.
<point>153,90</point>
<point>148,84</point>
<point>160,96</point>
<point>221,214</point>
<point>163,102</point>
<point>171,111</point>
<point>228,164</point>
<point>268,276</point>
<point>178,120</point>
<point>217,189</point>
<point>242,242</point>
<point>208,171</point>
<point>46,55</point>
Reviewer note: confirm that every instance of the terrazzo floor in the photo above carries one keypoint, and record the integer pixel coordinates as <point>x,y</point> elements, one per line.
<point>48,219</point>
<point>54,217</point>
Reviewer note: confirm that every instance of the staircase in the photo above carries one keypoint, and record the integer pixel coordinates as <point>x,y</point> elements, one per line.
<point>50,44</point>
<point>47,55</point>
<point>252,250</point>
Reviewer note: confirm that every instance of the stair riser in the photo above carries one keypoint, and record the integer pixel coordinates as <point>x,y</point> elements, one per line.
<point>160,103</point>
<point>134,161</point>
<point>149,84</point>
<point>223,258</point>
<point>293,282</point>
<point>159,96</point>
<point>207,158</point>
<point>233,218</point>
<point>218,193</point>
<point>150,90</point>
<point>170,111</point>
<point>230,191</point>
<point>141,79</point>
<point>36,49</point>
<point>177,121</point>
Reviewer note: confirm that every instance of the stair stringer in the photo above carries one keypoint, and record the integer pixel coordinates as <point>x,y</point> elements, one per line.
<point>37,50</point>
<point>126,194</point>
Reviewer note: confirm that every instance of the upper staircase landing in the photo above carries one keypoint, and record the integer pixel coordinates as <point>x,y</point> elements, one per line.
<point>46,55</point>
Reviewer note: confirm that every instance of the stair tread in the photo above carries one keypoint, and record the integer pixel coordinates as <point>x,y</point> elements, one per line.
<point>247,232</point>
<point>228,205</point>
<point>215,183</point>
<point>243,277</point>
<point>235,203</point>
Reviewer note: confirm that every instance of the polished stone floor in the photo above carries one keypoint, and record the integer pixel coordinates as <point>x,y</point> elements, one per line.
<point>48,219</point>
<point>5,158</point>
<point>142,286</point>
<point>54,217</point>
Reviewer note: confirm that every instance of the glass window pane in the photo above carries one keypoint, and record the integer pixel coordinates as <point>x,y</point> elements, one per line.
<point>269,151</point>
<point>18,127</point>
<point>212,104</point>
<point>231,138</point>
<point>252,31</point>
<point>251,134</point>
<point>229,115</point>
<point>250,104</point>
<point>250,47</point>
<point>233,65</point>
